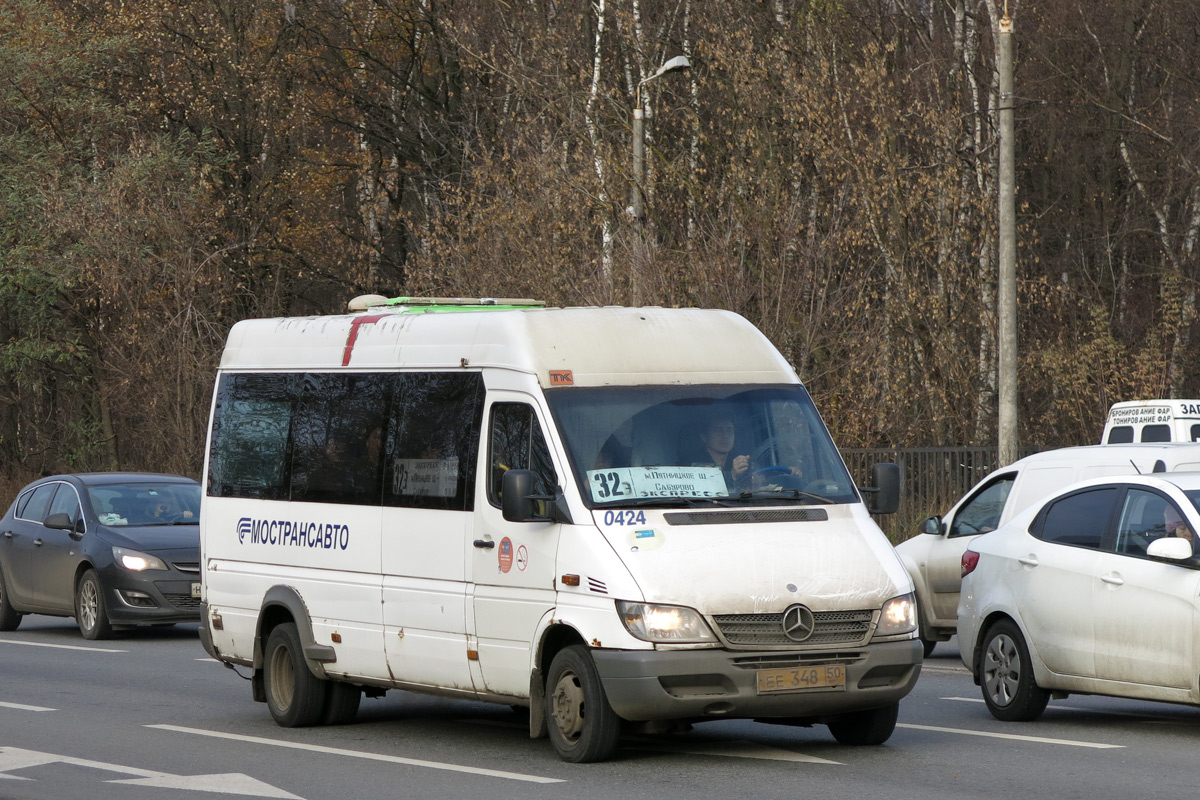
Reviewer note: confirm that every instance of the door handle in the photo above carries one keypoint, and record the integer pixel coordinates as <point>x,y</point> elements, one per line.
<point>1113,578</point>
<point>484,544</point>
<point>38,543</point>
<point>8,534</point>
<point>1029,560</point>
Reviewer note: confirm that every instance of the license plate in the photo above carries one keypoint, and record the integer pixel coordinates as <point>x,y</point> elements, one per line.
<point>799,679</point>
<point>195,590</point>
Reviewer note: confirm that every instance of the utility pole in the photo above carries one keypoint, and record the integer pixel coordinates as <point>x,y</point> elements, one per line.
<point>637,193</point>
<point>1006,438</point>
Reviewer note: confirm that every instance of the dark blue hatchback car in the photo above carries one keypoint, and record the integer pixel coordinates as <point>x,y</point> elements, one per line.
<point>110,549</point>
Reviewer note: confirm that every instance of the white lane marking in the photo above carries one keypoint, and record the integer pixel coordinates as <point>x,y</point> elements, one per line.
<point>337,751</point>
<point>63,646</point>
<point>23,707</point>
<point>965,699</point>
<point>1013,737</point>
<point>14,758</point>
<point>738,749</point>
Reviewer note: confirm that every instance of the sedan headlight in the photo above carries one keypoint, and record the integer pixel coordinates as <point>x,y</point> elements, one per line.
<point>651,622</point>
<point>899,615</point>
<point>133,560</point>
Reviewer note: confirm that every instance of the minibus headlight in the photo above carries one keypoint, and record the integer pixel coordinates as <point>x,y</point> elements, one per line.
<point>651,622</point>
<point>899,615</point>
<point>135,561</point>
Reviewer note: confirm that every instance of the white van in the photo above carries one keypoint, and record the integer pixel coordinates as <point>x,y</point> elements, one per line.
<point>933,557</point>
<point>607,515</point>
<point>1152,421</point>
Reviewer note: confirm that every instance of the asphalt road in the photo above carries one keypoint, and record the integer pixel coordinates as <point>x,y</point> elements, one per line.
<point>151,716</point>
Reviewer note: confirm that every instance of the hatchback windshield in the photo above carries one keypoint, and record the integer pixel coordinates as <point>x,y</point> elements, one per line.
<point>121,504</point>
<point>683,445</point>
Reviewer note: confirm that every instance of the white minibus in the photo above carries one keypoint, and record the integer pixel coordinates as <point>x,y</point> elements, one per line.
<point>622,519</point>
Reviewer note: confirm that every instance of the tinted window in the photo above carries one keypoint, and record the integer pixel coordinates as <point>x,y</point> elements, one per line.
<point>433,441</point>
<point>1122,434</point>
<point>1156,433</point>
<point>1196,433</point>
<point>362,438</point>
<point>1079,519</point>
<point>982,512</point>
<point>517,443</point>
<point>39,501</point>
<point>337,437</point>
<point>251,420</point>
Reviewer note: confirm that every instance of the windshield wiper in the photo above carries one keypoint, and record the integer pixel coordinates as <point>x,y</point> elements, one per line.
<point>797,494</point>
<point>665,502</point>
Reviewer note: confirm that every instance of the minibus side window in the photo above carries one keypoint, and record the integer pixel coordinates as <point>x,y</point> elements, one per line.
<point>249,450</point>
<point>517,443</point>
<point>337,438</point>
<point>433,441</point>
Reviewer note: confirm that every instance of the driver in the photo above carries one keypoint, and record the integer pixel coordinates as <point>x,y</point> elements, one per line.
<point>717,436</point>
<point>164,511</point>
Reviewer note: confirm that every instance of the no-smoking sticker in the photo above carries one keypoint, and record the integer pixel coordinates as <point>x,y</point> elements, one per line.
<point>522,558</point>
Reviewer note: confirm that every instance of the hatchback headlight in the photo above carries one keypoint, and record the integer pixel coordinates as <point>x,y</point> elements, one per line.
<point>135,561</point>
<point>899,615</point>
<point>652,622</point>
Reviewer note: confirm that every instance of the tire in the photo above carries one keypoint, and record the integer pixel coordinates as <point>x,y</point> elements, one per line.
<point>91,609</point>
<point>295,697</point>
<point>341,703</point>
<point>1006,676</point>
<point>873,726</point>
<point>10,618</point>
<point>582,725</point>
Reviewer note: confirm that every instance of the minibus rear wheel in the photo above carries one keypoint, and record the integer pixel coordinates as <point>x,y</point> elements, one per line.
<point>582,725</point>
<point>295,697</point>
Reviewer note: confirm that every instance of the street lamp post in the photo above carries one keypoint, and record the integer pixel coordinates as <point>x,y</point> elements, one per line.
<point>637,196</point>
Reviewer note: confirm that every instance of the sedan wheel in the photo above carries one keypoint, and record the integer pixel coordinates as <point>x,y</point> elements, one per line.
<point>91,610</point>
<point>1006,676</point>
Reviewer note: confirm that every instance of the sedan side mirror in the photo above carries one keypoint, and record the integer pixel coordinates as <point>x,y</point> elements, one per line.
<point>932,525</point>
<point>1170,548</point>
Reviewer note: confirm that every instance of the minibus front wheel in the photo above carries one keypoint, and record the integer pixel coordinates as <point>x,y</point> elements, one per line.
<point>582,725</point>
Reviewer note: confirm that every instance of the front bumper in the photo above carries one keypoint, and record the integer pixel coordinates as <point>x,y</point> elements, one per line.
<point>715,684</point>
<point>151,597</point>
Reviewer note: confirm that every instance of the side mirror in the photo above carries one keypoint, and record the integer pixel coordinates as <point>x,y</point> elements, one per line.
<point>883,495</point>
<point>516,499</point>
<point>63,522</point>
<point>1171,548</point>
<point>932,525</point>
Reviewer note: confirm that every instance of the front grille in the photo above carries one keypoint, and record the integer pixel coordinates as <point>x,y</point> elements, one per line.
<point>766,630</point>
<point>184,601</point>
<point>188,566</point>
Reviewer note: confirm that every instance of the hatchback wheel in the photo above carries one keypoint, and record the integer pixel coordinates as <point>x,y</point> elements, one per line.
<point>10,618</point>
<point>1006,676</point>
<point>91,609</point>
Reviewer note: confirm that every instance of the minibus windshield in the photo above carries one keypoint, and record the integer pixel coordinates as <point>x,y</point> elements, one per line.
<point>684,445</point>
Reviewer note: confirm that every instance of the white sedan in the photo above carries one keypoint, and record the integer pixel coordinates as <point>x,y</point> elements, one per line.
<point>1094,591</point>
